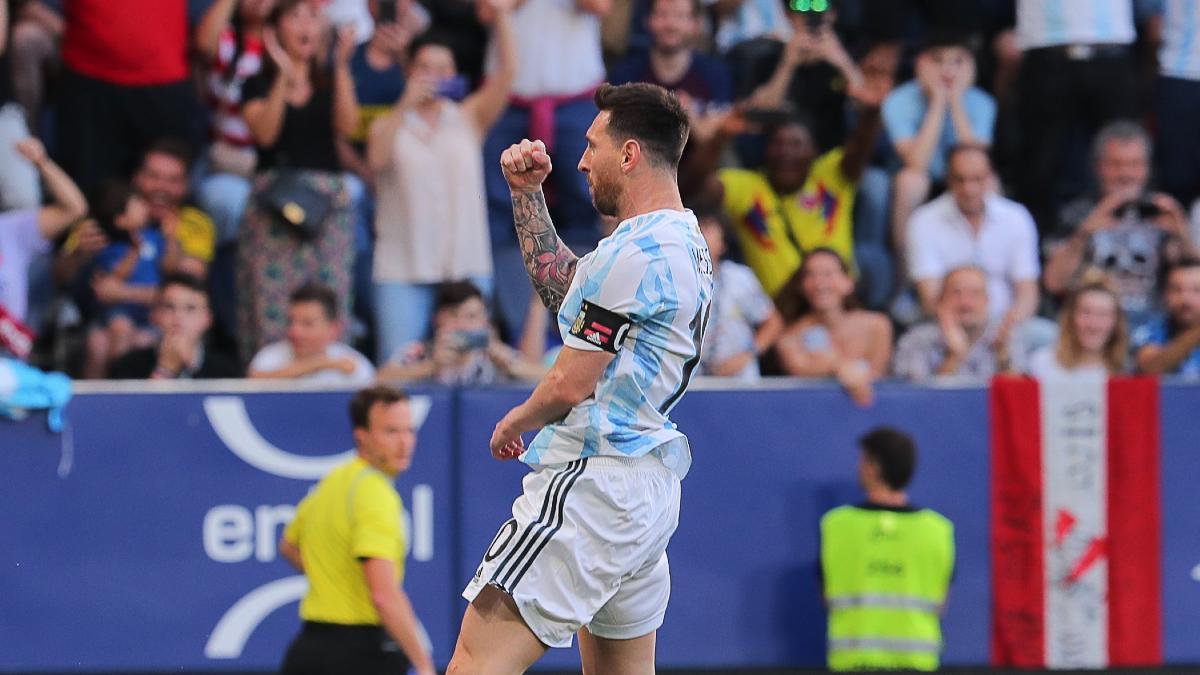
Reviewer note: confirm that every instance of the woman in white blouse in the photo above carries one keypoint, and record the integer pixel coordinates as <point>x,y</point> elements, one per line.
<point>1093,334</point>
<point>431,214</point>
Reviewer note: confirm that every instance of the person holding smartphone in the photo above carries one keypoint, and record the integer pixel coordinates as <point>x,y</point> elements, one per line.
<point>1129,232</point>
<point>425,157</point>
<point>464,349</point>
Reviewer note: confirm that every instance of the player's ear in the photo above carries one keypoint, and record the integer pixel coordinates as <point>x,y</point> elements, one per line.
<point>631,155</point>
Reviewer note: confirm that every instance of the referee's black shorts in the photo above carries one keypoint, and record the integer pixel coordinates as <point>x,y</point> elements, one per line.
<point>328,648</point>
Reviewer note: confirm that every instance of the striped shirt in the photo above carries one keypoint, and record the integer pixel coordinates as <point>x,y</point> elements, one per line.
<point>1180,53</point>
<point>654,272</point>
<point>225,80</point>
<point>1050,23</point>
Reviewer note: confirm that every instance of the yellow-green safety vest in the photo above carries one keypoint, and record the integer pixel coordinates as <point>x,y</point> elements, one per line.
<point>886,573</point>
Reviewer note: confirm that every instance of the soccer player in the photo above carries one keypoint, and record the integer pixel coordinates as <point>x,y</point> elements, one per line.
<point>585,550</point>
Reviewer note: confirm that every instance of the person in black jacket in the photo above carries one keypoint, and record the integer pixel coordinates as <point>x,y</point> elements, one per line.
<point>182,315</point>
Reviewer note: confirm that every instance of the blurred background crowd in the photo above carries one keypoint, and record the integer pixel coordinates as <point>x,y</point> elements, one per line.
<point>905,189</point>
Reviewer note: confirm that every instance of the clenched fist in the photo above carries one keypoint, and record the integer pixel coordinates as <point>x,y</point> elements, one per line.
<point>526,165</point>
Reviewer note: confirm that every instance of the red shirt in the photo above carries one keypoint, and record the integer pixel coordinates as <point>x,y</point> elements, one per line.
<point>127,42</point>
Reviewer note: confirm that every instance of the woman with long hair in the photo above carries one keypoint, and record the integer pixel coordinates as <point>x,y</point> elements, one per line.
<point>296,109</point>
<point>826,334</point>
<point>1093,333</point>
<point>427,156</point>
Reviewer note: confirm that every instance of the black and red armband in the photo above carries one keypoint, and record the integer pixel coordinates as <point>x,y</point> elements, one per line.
<point>601,327</point>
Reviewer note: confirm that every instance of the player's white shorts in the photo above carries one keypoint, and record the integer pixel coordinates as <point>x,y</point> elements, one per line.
<point>586,546</point>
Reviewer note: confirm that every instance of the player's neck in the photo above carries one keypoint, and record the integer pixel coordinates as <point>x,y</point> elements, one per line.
<point>650,193</point>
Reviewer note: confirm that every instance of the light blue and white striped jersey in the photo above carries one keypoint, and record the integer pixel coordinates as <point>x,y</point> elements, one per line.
<point>1050,23</point>
<point>1180,53</point>
<point>645,292</point>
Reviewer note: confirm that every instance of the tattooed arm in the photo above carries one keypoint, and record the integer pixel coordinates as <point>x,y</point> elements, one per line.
<point>550,264</point>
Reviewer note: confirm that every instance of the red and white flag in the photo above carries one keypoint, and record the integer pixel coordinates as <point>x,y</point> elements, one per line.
<point>1076,522</point>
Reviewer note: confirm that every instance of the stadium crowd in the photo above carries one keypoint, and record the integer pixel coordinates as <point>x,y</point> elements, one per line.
<point>894,188</point>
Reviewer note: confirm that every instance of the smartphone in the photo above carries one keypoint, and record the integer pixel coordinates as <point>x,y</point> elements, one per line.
<point>387,11</point>
<point>1143,207</point>
<point>453,88</point>
<point>470,340</point>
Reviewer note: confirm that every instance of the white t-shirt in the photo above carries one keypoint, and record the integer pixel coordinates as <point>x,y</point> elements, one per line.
<point>20,241</point>
<point>279,354</point>
<point>739,306</point>
<point>558,46</point>
<point>1046,23</point>
<point>940,239</point>
<point>644,295</point>
<point>1044,364</point>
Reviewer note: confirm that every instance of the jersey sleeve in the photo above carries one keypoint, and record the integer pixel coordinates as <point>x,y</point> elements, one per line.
<point>376,524</point>
<point>620,291</point>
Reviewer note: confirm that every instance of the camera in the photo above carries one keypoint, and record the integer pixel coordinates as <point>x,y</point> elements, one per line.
<point>1143,208</point>
<point>470,340</point>
<point>814,11</point>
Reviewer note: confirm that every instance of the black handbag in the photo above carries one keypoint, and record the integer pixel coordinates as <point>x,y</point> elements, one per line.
<point>297,205</point>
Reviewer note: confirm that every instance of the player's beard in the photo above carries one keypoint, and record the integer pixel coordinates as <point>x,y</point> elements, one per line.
<point>606,195</point>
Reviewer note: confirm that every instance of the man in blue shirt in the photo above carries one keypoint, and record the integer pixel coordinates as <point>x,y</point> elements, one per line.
<point>928,115</point>
<point>1171,345</point>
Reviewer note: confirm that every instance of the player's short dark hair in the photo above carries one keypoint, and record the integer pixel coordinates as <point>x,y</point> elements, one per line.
<point>365,399</point>
<point>183,280</point>
<point>648,114</point>
<point>894,452</point>
<point>322,295</point>
<point>455,293</point>
<point>171,147</point>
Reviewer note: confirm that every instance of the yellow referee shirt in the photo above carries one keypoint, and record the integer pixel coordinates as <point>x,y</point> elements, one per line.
<point>775,230</point>
<point>353,513</point>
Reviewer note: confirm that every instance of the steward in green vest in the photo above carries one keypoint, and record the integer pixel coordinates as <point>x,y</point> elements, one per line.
<point>886,567</point>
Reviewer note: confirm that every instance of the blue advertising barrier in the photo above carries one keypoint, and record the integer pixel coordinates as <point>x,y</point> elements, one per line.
<point>144,537</point>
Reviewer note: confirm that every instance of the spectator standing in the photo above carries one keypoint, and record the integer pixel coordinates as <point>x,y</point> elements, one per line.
<point>672,62</point>
<point>962,342</point>
<point>1178,104</point>
<point>295,109</point>
<point>431,220</point>
<point>551,101</point>
<point>464,349</point>
<point>19,187</point>
<point>230,38</point>
<point>162,182</point>
<point>1130,233</point>
<point>1077,73</point>
<point>813,74</point>
<point>800,200</point>
<point>748,34</point>
<point>1093,335</point>
<point>37,30</point>
<point>26,234</point>
<point>1171,345</point>
<point>972,225</point>
<point>928,116</point>
<point>825,333</point>
<point>348,540</point>
<point>885,620</point>
<point>124,84</point>
<point>311,350</point>
<point>744,324</point>
<point>182,317</point>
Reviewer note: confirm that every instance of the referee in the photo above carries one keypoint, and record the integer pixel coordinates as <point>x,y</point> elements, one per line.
<point>348,541</point>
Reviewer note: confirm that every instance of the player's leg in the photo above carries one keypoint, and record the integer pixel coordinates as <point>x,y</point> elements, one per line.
<point>601,656</point>
<point>494,639</point>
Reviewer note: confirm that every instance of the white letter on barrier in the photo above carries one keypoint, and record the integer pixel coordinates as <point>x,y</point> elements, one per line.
<point>228,533</point>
